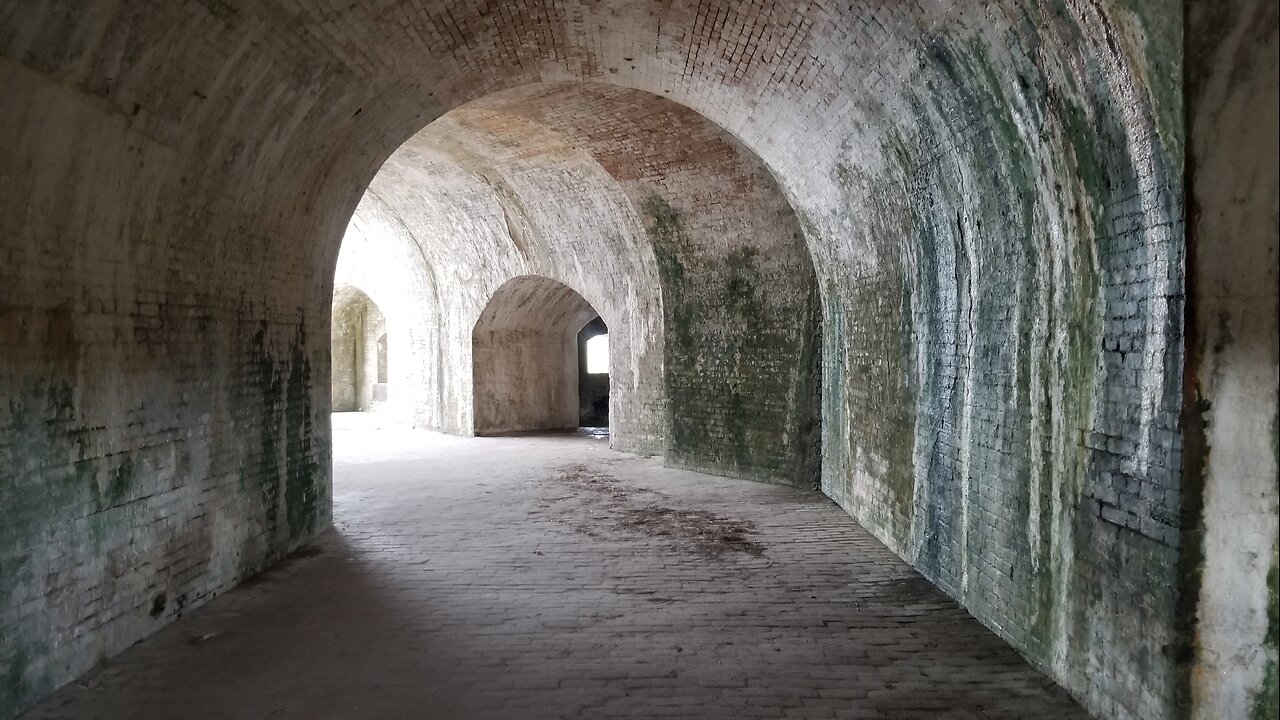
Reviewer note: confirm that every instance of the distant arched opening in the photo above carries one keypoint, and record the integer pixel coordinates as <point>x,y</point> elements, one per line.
<point>526,357</point>
<point>593,375</point>
<point>380,385</point>
<point>359,351</point>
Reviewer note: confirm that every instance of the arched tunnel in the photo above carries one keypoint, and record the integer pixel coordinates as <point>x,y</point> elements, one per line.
<point>990,288</point>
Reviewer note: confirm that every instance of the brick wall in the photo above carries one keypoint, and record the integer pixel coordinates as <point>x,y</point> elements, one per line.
<point>525,357</point>
<point>556,178</point>
<point>163,362</point>
<point>990,196</point>
<point>739,310</point>
<point>355,328</point>
<point>1230,571</point>
<point>480,211</point>
<point>381,259</point>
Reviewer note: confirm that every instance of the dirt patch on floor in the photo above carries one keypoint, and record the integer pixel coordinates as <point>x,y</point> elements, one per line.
<point>616,507</point>
<point>709,533</point>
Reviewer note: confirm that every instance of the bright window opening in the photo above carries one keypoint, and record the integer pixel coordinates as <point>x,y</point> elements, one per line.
<point>598,355</point>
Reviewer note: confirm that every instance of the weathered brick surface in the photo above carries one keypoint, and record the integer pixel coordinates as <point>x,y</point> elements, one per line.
<point>739,310</point>
<point>525,357</point>
<point>571,166</point>
<point>1231,562</point>
<point>380,258</point>
<point>356,326</point>
<point>991,196</point>
<point>480,211</point>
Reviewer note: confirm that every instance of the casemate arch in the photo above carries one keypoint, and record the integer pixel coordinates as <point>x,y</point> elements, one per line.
<point>525,357</point>
<point>677,232</point>
<point>380,261</point>
<point>359,352</point>
<point>1044,378</point>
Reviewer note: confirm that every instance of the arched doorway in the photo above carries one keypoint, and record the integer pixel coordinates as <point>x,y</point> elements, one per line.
<point>525,357</point>
<point>593,376</point>
<point>359,346</point>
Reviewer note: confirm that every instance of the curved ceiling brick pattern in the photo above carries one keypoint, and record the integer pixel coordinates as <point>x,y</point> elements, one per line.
<point>964,223</point>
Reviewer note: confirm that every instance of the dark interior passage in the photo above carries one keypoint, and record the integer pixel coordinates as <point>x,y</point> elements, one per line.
<point>593,375</point>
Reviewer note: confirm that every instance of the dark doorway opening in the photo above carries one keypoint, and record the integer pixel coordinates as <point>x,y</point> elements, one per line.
<point>593,377</point>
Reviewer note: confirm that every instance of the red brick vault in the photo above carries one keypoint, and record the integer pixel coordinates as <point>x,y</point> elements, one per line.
<point>1000,278</point>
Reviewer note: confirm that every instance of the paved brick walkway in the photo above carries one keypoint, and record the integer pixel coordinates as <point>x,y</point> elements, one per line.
<point>554,578</point>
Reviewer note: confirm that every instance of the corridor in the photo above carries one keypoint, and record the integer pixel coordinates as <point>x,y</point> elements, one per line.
<point>551,577</point>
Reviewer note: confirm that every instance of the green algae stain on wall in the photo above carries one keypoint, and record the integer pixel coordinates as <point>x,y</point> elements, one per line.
<point>680,323</point>
<point>286,468</point>
<point>41,436</point>
<point>836,474</point>
<point>14,687</point>
<point>742,288</point>
<point>692,440</point>
<point>808,397</point>
<point>18,687</point>
<point>735,343</point>
<point>98,506</point>
<point>867,377</point>
<point>1072,375</point>
<point>266,380</point>
<point>666,248</point>
<point>1036,176</point>
<point>304,494</point>
<point>1266,703</point>
<point>121,480</point>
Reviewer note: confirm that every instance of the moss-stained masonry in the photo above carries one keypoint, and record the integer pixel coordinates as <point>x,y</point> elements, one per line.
<point>28,418</point>
<point>1266,701</point>
<point>1231,478</point>
<point>163,526</point>
<point>1003,409</point>
<point>992,196</point>
<point>741,350</point>
<point>291,473</point>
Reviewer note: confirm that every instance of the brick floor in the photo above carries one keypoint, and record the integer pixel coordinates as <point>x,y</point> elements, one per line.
<point>550,577</point>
